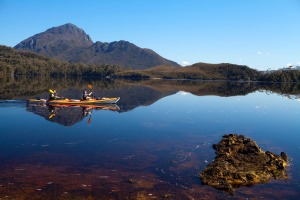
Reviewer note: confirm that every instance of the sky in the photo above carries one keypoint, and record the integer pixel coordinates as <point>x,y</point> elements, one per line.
<point>262,34</point>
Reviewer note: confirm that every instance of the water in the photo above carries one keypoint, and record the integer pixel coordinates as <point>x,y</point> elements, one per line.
<point>153,146</point>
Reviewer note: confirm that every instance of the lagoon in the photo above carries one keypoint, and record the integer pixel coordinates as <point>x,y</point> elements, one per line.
<point>152,147</point>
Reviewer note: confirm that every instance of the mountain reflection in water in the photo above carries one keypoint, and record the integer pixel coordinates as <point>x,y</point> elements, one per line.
<point>153,147</point>
<point>68,115</point>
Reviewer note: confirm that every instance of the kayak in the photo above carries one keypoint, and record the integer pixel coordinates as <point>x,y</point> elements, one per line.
<point>109,106</point>
<point>75,101</point>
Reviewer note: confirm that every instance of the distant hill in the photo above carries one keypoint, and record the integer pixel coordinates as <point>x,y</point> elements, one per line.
<point>72,44</point>
<point>202,71</point>
<point>205,71</point>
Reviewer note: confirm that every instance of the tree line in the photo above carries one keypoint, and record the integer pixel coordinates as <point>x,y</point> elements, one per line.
<point>14,62</point>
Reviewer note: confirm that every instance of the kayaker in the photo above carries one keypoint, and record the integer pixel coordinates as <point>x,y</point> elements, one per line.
<point>86,96</point>
<point>52,110</point>
<point>86,111</point>
<point>53,95</point>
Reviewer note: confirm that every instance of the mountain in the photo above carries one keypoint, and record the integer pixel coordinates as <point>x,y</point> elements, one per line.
<point>72,44</point>
<point>121,53</point>
<point>54,42</point>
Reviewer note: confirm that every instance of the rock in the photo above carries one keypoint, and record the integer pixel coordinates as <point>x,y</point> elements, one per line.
<point>131,180</point>
<point>166,196</point>
<point>241,162</point>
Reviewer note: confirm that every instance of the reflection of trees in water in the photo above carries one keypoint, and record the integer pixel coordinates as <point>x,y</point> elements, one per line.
<point>135,93</point>
<point>22,87</point>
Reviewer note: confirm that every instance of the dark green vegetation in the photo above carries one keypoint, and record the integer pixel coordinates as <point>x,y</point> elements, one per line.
<point>205,71</point>
<point>282,76</point>
<point>201,71</point>
<point>70,43</point>
<point>14,62</point>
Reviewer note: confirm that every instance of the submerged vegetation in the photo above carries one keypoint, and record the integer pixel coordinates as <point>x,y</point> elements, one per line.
<point>14,62</point>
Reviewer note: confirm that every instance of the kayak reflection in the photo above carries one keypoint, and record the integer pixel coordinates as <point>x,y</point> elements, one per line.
<point>68,115</point>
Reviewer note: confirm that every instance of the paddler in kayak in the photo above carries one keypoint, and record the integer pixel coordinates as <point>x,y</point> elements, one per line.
<point>86,96</point>
<point>86,111</point>
<point>52,110</point>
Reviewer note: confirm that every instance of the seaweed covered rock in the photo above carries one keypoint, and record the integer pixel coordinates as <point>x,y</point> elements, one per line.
<point>240,162</point>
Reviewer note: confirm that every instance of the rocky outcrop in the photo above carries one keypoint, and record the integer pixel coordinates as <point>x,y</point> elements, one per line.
<point>241,162</point>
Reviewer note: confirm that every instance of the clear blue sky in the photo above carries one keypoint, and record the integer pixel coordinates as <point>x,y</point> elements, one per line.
<point>259,33</point>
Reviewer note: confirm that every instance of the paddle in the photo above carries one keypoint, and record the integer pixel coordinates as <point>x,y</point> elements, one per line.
<point>52,115</point>
<point>91,87</point>
<point>90,118</point>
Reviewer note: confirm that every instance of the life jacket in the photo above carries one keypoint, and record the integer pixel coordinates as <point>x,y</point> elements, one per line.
<point>84,96</point>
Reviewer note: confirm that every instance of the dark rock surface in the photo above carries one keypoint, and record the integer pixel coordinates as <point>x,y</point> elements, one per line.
<point>121,53</point>
<point>241,162</point>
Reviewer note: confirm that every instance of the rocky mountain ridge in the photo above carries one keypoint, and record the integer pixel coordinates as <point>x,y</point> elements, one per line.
<point>72,44</point>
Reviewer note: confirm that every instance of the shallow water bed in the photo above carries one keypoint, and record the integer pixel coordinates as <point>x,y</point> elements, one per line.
<point>144,150</point>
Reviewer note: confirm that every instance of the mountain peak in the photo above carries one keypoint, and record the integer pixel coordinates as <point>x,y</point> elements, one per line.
<point>68,28</point>
<point>57,40</point>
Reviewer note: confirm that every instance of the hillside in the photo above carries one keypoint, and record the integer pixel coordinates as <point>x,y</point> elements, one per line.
<point>202,71</point>
<point>15,62</point>
<point>205,71</point>
<point>70,43</point>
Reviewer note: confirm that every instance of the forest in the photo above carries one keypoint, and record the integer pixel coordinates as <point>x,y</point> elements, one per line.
<point>14,62</point>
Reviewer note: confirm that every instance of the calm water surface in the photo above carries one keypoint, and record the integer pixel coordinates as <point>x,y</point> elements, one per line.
<point>145,150</point>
